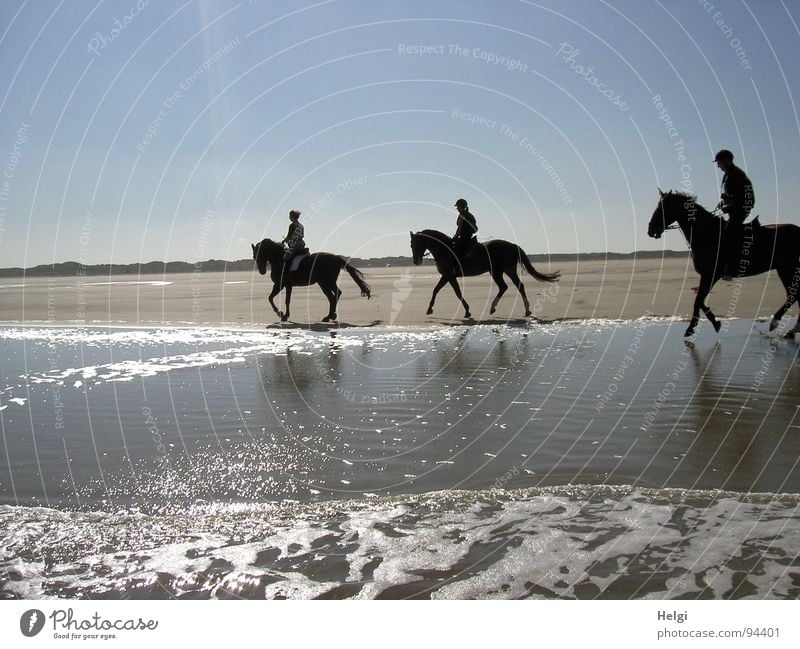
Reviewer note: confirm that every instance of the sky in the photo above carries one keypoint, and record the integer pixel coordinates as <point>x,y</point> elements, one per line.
<point>172,130</point>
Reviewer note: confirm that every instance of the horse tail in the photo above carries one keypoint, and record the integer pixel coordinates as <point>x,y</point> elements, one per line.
<point>542,277</point>
<point>358,278</point>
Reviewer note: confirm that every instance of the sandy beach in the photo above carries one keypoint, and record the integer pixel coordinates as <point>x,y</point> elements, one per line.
<point>211,454</point>
<point>609,290</point>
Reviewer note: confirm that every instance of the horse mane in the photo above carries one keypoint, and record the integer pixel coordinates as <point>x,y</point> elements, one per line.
<point>268,244</point>
<point>685,197</point>
<point>435,234</point>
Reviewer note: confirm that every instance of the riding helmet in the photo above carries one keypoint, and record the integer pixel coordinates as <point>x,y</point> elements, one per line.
<point>723,154</point>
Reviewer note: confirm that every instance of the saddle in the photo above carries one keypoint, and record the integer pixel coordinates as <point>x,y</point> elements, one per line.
<point>464,253</point>
<point>294,263</point>
<point>735,246</point>
<point>752,226</point>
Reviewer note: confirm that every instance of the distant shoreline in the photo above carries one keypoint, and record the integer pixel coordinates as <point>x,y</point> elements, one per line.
<point>73,268</point>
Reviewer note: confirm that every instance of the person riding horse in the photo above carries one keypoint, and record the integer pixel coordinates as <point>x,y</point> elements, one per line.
<point>737,201</point>
<point>293,242</point>
<point>464,240</point>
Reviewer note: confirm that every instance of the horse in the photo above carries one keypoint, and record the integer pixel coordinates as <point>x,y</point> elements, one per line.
<point>764,248</point>
<point>497,257</point>
<point>321,268</point>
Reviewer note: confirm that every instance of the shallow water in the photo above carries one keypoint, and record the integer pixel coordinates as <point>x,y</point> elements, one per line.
<point>400,463</point>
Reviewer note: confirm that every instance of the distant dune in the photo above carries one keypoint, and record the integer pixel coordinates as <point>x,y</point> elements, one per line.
<point>72,268</point>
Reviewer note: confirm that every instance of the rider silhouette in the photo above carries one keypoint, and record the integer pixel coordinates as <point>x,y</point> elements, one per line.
<point>293,242</point>
<point>738,199</point>
<point>464,240</point>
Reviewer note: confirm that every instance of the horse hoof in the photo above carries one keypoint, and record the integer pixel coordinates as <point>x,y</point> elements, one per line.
<point>429,312</point>
<point>467,315</point>
<point>492,310</point>
<point>773,325</point>
<point>689,344</point>
<point>717,326</point>
<point>284,318</point>
<point>326,319</point>
<point>528,314</point>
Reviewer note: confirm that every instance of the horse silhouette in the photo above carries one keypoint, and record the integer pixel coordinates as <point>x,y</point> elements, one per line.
<point>320,268</point>
<point>497,257</point>
<point>765,247</point>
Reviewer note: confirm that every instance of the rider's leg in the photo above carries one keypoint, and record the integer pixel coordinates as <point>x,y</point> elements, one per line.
<point>732,243</point>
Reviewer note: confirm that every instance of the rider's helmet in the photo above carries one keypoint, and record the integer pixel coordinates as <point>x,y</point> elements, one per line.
<point>461,203</point>
<point>294,214</point>
<point>723,155</point>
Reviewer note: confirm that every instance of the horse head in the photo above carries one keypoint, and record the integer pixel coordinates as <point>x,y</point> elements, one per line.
<point>438,243</point>
<point>672,206</point>
<point>263,253</point>
<point>419,246</point>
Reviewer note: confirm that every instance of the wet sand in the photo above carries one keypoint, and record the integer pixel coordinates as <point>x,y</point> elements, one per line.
<point>613,289</point>
<point>579,460</point>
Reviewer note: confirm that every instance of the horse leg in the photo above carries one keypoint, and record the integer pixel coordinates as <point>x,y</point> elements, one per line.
<point>275,290</point>
<point>706,282</point>
<point>332,293</point>
<point>457,290</point>
<point>436,289</point>
<point>790,283</point>
<point>285,316</point>
<point>501,286</point>
<point>515,280</point>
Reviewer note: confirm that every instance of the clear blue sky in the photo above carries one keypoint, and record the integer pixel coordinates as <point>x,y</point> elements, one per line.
<point>170,130</point>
